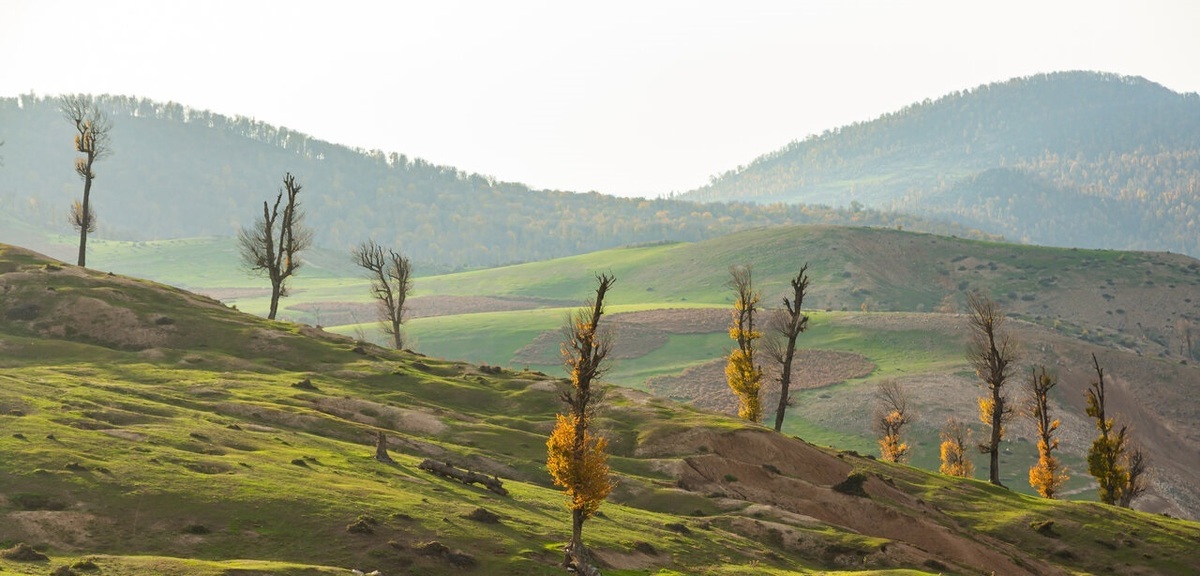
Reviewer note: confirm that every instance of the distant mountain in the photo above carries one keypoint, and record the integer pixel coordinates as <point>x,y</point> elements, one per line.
<point>1074,158</point>
<point>178,172</point>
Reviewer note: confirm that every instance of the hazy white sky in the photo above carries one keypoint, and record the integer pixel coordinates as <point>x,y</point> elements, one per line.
<point>627,98</point>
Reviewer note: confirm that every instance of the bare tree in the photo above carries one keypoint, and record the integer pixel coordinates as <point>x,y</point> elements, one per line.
<point>1136,465</point>
<point>92,140</point>
<point>576,458</point>
<point>272,246</point>
<point>992,353</point>
<point>742,373</point>
<point>892,414</point>
<point>784,326</point>
<point>390,284</point>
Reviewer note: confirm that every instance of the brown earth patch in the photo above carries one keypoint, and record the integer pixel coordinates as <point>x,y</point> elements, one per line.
<point>677,320</point>
<point>65,529</point>
<point>705,386</point>
<point>125,435</point>
<point>376,414</point>
<point>633,560</point>
<point>733,467</point>
<point>92,319</point>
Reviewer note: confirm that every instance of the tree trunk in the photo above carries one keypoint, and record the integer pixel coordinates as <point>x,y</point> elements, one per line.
<point>397,341</point>
<point>274,299</point>
<point>997,422</point>
<point>381,453</point>
<point>576,555</point>
<point>83,230</point>
<point>785,383</point>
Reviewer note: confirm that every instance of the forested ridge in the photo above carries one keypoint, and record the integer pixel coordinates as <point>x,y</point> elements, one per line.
<point>1073,158</point>
<point>178,172</point>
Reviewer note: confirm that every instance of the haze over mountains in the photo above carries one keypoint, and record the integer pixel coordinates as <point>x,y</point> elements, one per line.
<point>1071,159</point>
<point>1074,159</point>
<point>177,172</point>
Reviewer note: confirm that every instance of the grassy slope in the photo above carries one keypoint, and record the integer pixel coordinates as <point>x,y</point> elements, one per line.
<point>117,450</point>
<point>1127,301</point>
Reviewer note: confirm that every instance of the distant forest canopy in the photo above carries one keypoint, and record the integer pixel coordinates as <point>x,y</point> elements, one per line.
<point>1072,158</point>
<point>178,172</point>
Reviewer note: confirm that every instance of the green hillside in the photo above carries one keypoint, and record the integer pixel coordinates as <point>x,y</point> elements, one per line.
<point>1136,309</point>
<point>145,429</point>
<point>1070,159</point>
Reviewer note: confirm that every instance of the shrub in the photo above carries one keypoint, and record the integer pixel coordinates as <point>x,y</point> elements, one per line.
<point>23,552</point>
<point>35,502</point>
<point>197,529</point>
<point>853,484</point>
<point>483,515</point>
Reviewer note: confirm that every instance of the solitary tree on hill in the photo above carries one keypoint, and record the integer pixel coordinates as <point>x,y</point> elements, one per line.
<point>785,326</point>
<point>390,284</point>
<point>1048,474</point>
<point>992,353</point>
<point>742,373</point>
<point>272,246</point>
<point>92,140</point>
<point>576,457</point>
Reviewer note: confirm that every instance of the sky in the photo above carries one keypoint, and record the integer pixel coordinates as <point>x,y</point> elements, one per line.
<point>626,98</point>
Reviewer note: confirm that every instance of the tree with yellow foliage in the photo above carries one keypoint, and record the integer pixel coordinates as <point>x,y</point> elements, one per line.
<point>955,437</point>
<point>1119,470</point>
<point>892,414</point>
<point>742,373</point>
<point>992,353</point>
<point>575,456</point>
<point>1048,474</point>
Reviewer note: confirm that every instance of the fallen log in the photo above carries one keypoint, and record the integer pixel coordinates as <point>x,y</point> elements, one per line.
<point>448,470</point>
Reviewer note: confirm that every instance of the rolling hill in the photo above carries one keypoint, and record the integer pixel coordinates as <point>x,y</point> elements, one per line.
<point>1077,159</point>
<point>1135,310</point>
<point>176,172</point>
<point>147,429</point>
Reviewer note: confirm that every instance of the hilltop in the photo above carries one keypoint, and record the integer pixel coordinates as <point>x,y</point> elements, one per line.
<point>149,429</point>
<point>1070,159</point>
<point>176,172</point>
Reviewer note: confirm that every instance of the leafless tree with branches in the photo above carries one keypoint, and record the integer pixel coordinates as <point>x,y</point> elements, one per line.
<point>272,246</point>
<point>391,282</point>
<point>92,129</point>
<point>783,327</point>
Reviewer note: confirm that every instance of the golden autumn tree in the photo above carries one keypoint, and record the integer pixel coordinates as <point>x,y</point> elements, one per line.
<point>576,457</point>
<point>956,436</point>
<point>1048,474</point>
<point>742,373</point>
<point>892,414</point>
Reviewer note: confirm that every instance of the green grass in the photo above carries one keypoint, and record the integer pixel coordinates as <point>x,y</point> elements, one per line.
<point>139,445</point>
